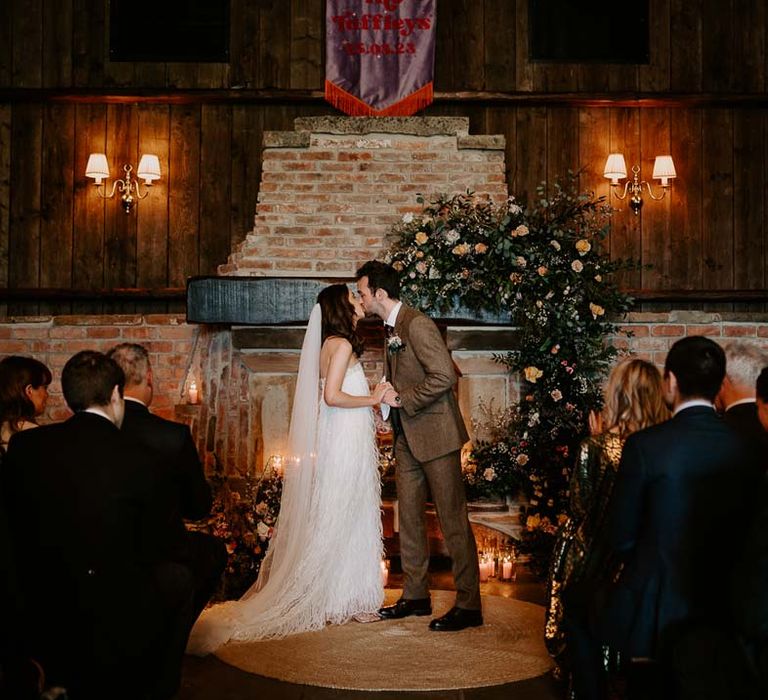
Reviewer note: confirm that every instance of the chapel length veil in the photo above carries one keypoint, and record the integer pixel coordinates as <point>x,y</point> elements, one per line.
<point>293,523</point>
<point>272,606</point>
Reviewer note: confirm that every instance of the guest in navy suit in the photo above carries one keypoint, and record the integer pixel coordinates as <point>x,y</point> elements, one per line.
<point>680,487</point>
<point>186,493</point>
<point>736,399</point>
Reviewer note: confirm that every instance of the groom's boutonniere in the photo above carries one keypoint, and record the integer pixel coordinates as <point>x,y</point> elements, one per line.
<point>395,344</point>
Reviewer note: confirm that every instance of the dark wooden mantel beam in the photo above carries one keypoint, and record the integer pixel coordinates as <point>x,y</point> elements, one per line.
<point>522,99</point>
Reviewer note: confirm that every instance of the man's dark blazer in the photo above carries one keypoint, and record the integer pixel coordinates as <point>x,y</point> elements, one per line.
<point>86,536</point>
<point>681,491</point>
<point>185,494</point>
<point>188,493</point>
<point>743,419</point>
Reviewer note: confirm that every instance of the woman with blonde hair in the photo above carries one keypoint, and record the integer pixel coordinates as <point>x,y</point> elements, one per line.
<point>634,400</point>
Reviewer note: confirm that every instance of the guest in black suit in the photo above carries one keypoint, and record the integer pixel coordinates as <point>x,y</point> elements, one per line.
<point>680,487</point>
<point>89,545</point>
<point>188,493</point>
<point>736,399</point>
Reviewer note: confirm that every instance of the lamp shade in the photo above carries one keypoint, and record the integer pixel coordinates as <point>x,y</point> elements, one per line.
<point>97,167</point>
<point>664,169</point>
<point>615,167</point>
<point>149,168</point>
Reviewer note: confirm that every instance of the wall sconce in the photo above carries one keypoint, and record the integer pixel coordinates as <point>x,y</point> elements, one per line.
<point>148,170</point>
<point>616,169</point>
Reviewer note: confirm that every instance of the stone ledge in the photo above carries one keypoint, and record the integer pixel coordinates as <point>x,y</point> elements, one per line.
<point>415,126</point>
<point>286,139</point>
<point>482,143</point>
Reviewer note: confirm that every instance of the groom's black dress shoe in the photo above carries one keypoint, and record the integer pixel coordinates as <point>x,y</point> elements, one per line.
<point>457,619</point>
<point>406,608</point>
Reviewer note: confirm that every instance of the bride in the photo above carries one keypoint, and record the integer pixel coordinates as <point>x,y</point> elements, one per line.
<point>323,564</point>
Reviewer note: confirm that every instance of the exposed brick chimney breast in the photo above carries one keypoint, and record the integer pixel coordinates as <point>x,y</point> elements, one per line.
<point>331,189</point>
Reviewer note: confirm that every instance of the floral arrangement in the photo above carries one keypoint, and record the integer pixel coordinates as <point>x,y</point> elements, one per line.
<point>544,266</point>
<point>244,519</point>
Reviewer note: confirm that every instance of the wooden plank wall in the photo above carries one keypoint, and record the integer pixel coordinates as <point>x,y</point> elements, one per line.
<point>54,232</point>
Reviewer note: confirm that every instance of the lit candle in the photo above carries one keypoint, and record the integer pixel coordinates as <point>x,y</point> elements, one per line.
<point>193,393</point>
<point>506,570</point>
<point>384,573</point>
<point>485,570</point>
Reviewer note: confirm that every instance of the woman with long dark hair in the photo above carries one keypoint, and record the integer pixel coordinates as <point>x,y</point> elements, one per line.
<point>23,394</point>
<point>323,563</point>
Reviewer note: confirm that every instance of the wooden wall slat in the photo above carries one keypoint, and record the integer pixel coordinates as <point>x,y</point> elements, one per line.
<point>625,226</point>
<point>184,198</point>
<point>215,159</point>
<point>655,215</point>
<point>275,43</point>
<point>531,153</point>
<point>152,212</point>
<point>467,53</point>
<point>307,42</point>
<point>748,201</point>
<point>57,43</point>
<point>88,42</point>
<point>594,140</point>
<point>120,229</point>
<point>749,46</point>
<point>562,143</point>
<point>717,201</point>
<point>500,45</point>
<point>6,43</point>
<point>444,63</point>
<point>686,261</point>
<point>26,166</point>
<point>502,121</point>
<point>116,72</point>
<point>523,66</point>
<point>717,57</point>
<point>56,200</point>
<point>244,55</point>
<point>654,77</point>
<point>89,219</point>
<point>27,53</point>
<point>213,75</point>
<point>247,139</point>
<point>685,61</point>
<point>5,195</point>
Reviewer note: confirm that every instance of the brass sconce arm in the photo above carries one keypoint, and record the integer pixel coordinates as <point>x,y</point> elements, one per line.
<point>615,169</point>
<point>129,187</point>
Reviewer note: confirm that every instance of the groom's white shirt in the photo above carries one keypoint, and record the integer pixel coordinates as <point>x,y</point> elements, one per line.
<point>393,314</point>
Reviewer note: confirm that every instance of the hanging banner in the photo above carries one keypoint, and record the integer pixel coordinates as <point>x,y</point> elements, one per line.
<point>380,56</point>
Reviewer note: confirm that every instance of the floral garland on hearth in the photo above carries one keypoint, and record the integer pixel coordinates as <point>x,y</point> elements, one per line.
<point>543,268</point>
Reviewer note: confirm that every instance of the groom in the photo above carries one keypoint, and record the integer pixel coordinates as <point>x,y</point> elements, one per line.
<point>429,434</point>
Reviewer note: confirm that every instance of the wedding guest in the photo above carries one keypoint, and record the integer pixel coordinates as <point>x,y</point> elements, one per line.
<point>634,399</point>
<point>87,540</point>
<point>188,495</point>
<point>24,385</point>
<point>679,483</point>
<point>736,398</point>
<point>761,391</point>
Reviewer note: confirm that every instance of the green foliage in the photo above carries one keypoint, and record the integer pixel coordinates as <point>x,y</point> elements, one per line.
<point>545,265</point>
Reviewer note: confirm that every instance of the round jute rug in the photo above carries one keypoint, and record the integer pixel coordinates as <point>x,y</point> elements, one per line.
<point>405,654</point>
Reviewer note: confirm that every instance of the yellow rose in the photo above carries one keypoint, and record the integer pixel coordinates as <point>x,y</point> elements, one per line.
<point>480,247</point>
<point>542,271</point>
<point>532,374</point>
<point>521,230</point>
<point>583,246</point>
<point>596,310</point>
<point>533,521</point>
<point>421,238</point>
<point>461,249</point>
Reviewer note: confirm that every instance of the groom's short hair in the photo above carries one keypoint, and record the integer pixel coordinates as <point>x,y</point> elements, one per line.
<point>698,364</point>
<point>380,276</point>
<point>89,378</point>
<point>133,360</point>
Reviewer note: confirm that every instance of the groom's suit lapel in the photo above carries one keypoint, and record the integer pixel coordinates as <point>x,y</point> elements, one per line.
<point>398,331</point>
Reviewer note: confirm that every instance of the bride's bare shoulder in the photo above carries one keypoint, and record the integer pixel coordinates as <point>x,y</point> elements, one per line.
<point>336,344</point>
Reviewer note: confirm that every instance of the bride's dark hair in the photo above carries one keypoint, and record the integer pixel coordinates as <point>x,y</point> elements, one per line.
<point>338,316</point>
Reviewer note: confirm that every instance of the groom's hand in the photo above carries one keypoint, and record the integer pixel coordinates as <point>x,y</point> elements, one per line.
<point>392,398</point>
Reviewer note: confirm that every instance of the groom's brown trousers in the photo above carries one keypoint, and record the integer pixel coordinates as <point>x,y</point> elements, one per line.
<point>443,476</point>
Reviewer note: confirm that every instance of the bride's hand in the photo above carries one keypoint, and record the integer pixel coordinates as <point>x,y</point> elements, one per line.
<point>380,390</point>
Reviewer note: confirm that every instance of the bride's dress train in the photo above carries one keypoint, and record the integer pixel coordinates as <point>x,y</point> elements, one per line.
<point>325,566</point>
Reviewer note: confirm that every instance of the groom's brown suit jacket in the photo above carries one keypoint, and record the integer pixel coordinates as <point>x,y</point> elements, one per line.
<point>423,374</point>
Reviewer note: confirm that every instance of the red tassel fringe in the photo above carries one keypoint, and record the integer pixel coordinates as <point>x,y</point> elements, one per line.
<point>349,104</point>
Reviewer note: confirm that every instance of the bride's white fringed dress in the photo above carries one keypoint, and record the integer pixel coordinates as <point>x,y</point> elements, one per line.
<point>324,561</point>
